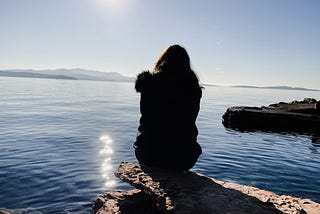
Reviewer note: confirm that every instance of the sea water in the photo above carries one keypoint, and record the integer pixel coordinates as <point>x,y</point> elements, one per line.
<point>61,141</point>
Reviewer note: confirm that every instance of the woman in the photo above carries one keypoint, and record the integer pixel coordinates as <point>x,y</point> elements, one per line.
<point>169,106</point>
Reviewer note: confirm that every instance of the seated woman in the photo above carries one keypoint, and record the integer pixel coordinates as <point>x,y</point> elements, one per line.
<point>169,106</point>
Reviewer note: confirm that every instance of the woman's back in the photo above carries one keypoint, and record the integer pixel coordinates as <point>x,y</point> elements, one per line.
<point>169,107</point>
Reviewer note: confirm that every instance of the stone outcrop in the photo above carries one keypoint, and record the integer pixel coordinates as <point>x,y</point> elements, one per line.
<point>297,116</point>
<point>306,106</point>
<point>162,191</point>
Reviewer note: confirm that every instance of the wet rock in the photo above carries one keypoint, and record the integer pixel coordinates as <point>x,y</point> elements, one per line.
<point>297,116</point>
<point>165,191</point>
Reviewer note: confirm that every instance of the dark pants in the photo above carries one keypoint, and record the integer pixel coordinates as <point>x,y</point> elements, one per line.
<point>173,160</point>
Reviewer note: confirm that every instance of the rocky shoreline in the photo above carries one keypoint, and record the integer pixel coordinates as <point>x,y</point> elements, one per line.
<point>163,191</point>
<point>296,116</point>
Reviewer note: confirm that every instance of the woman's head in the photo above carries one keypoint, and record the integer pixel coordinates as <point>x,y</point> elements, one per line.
<point>174,59</point>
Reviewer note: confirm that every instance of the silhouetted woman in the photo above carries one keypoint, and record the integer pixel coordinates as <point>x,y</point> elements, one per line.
<point>169,106</point>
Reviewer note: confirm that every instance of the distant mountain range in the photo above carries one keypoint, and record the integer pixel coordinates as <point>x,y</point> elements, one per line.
<point>276,87</point>
<point>83,74</point>
<point>74,74</point>
<point>266,87</point>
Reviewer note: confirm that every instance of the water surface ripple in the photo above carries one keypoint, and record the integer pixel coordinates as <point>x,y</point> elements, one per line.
<point>61,141</point>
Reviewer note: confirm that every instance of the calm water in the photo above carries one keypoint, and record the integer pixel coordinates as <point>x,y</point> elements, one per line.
<point>61,141</point>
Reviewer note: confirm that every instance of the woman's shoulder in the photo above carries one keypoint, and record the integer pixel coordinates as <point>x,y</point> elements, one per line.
<point>143,80</point>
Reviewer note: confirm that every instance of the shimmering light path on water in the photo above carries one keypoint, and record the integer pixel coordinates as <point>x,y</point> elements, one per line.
<point>61,141</point>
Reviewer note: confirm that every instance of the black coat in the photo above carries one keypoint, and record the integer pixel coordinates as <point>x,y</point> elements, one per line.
<point>169,106</point>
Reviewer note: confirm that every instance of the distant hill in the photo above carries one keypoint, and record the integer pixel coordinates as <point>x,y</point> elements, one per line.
<point>211,85</point>
<point>32,75</point>
<point>75,74</point>
<point>276,87</point>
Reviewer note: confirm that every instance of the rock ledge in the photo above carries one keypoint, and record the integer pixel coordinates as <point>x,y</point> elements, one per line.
<point>162,191</point>
<point>296,116</point>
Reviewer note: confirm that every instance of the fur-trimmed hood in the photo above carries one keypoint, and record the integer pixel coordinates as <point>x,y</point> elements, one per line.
<point>188,83</point>
<point>143,79</point>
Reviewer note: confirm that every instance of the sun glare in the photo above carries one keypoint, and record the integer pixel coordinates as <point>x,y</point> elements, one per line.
<point>114,10</point>
<point>112,2</point>
<point>112,5</point>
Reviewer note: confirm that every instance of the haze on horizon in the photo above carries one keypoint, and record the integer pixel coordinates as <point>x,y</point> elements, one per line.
<point>230,42</point>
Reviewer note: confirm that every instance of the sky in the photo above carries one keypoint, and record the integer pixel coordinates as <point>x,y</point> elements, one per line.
<point>230,42</point>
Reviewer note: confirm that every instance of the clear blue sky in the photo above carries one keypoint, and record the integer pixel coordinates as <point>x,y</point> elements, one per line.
<point>230,42</point>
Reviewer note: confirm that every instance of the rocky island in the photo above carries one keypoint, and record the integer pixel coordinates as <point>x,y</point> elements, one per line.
<point>162,191</point>
<point>296,116</point>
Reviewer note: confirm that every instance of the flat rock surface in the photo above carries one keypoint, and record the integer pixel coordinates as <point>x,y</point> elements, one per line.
<point>173,192</point>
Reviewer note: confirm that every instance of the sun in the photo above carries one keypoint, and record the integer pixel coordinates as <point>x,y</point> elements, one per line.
<point>117,10</point>
<point>111,4</point>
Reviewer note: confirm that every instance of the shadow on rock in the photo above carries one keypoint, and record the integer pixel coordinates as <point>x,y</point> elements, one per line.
<point>163,191</point>
<point>189,192</point>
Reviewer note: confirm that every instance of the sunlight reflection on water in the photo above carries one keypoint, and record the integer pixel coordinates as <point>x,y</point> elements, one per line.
<point>106,167</point>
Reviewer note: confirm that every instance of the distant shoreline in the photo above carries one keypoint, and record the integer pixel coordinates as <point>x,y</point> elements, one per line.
<point>277,87</point>
<point>267,87</point>
<point>82,74</point>
<point>34,75</point>
<point>67,74</point>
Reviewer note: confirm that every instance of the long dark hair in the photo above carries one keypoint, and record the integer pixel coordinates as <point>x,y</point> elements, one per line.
<point>175,59</point>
